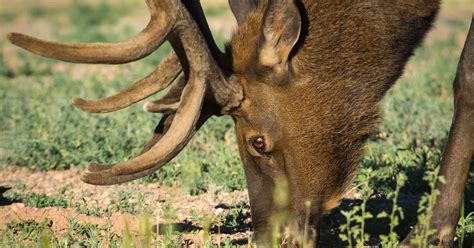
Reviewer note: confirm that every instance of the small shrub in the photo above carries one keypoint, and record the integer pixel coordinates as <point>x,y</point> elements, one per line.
<point>39,200</point>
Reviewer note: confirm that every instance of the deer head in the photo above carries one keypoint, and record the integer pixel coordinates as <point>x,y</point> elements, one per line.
<point>301,80</point>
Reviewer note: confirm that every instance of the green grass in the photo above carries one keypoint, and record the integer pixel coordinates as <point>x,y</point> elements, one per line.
<point>40,200</point>
<point>29,233</point>
<point>18,232</point>
<point>35,200</point>
<point>39,129</point>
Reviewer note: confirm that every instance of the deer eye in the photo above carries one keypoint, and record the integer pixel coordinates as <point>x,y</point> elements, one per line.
<point>259,145</point>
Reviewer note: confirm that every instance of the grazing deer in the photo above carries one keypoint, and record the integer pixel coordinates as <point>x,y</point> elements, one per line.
<point>302,81</point>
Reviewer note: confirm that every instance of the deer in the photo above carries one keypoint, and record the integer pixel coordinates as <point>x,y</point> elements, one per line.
<point>301,79</point>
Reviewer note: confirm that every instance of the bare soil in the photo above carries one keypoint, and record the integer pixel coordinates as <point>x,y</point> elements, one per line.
<point>52,182</point>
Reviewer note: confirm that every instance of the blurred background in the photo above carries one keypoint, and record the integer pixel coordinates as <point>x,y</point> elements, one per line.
<point>41,133</point>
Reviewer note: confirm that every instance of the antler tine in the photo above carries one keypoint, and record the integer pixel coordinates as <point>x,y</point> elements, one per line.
<point>202,72</point>
<point>170,101</point>
<point>159,131</point>
<point>157,81</point>
<point>181,130</point>
<point>136,48</point>
<point>102,174</point>
<point>160,149</point>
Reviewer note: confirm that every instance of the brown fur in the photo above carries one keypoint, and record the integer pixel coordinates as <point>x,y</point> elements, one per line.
<point>318,116</point>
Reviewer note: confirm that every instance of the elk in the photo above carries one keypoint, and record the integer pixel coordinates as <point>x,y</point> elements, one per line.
<point>302,80</point>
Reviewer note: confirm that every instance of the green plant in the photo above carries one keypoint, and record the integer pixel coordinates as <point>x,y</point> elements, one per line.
<point>391,239</point>
<point>354,229</point>
<point>86,235</point>
<point>18,232</point>
<point>425,210</point>
<point>81,207</point>
<point>466,225</point>
<point>237,216</point>
<point>39,200</point>
<point>127,202</point>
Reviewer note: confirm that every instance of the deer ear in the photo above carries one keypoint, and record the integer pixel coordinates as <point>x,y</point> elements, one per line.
<point>280,31</point>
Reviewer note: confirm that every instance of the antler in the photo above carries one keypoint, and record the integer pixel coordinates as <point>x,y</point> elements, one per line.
<point>201,91</point>
<point>136,48</point>
<point>157,81</point>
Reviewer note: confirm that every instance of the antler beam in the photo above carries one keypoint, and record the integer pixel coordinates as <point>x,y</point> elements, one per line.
<point>147,41</point>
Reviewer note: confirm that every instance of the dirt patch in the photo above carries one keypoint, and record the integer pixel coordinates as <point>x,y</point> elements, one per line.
<point>156,198</point>
<point>58,218</point>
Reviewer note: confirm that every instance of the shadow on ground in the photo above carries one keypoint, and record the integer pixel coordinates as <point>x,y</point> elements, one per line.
<point>408,201</point>
<point>239,224</point>
<point>5,201</point>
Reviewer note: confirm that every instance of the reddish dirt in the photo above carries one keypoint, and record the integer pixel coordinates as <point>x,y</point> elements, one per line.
<point>58,217</point>
<point>53,182</point>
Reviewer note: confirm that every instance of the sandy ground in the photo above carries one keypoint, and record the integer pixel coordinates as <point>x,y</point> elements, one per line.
<point>155,197</point>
